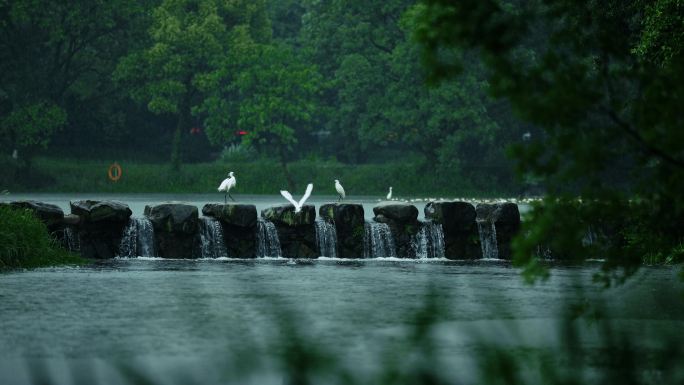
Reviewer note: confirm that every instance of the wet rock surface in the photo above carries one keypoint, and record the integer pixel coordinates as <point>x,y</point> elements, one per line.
<point>238,222</point>
<point>100,226</point>
<point>402,219</point>
<point>296,231</point>
<point>176,228</point>
<point>506,220</point>
<point>461,237</point>
<point>349,226</point>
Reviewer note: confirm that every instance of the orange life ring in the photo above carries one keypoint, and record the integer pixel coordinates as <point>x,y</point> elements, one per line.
<point>114,173</point>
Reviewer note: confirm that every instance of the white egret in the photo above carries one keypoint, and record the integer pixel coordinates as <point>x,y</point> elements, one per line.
<point>298,205</point>
<point>389,194</point>
<point>340,189</point>
<point>226,185</point>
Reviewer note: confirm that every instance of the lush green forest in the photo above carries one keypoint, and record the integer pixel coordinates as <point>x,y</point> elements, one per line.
<point>584,96</point>
<point>180,81</point>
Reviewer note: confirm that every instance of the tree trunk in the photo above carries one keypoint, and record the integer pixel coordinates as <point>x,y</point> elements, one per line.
<point>183,124</point>
<point>288,176</point>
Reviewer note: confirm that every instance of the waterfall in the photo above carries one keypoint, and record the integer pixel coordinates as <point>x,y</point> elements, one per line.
<point>326,238</point>
<point>429,242</point>
<point>138,239</point>
<point>378,241</point>
<point>268,244</point>
<point>72,241</point>
<point>211,239</point>
<point>490,248</point>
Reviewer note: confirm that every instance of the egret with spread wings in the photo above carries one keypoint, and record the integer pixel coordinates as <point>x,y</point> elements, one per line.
<point>298,205</point>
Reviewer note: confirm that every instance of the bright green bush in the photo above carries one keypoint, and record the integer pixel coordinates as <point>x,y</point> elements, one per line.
<point>25,242</point>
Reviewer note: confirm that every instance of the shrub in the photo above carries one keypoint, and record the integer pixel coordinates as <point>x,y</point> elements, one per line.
<point>25,242</point>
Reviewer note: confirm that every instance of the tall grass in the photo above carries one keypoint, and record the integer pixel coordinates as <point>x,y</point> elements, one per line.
<point>25,242</point>
<point>260,176</point>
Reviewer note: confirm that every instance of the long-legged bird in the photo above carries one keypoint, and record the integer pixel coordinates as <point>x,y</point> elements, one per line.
<point>226,185</point>
<point>298,205</point>
<point>340,190</point>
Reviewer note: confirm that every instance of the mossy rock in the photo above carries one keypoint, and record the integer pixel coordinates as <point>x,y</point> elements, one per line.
<point>285,215</point>
<point>451,213</point>
<point>173,217</point>
<point>348,219</point>
<point>51,215</point>
<point>101,211</point>
<point>399,212</point>
<point>234,214</point>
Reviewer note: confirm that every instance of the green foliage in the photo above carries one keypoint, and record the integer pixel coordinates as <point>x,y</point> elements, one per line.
<point>258,176</point>
<point>52,56</point>
<point>604,81</point>
<point>25,242</point>
<point>32,125</point>
<point>273,95</point>
<point>188,46</point>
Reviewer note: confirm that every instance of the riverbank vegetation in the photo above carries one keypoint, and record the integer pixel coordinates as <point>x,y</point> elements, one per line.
<point>261,176</point>
<point>180,82</point>
<point>604,83</point>
<point>427,94</point>
<point>26,243</point>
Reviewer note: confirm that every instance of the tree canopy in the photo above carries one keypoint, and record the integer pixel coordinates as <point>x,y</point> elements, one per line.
<point>604,81</point>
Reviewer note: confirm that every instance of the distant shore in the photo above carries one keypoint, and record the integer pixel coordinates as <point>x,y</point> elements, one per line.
<point>253,177</point>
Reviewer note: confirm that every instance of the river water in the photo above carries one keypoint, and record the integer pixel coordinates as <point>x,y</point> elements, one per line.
<point>226,321</point>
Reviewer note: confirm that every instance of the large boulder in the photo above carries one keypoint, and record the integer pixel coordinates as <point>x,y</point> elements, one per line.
<point>101,211</point>
<point>296,231</point>
<point>349,226</point>
<point>402,219</point>
<point>51,215</point>
<point>100,226</point>
<point>505,218</point>
<point>461,239</point>
<point>238,222</point>
<point>176,228</point>
<point>396,211</point>
<point>241,215</point>
<point>285,215</point>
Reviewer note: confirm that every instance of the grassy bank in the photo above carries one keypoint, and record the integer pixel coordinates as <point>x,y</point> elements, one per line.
<point>25,242</point>
<point>257,177</point>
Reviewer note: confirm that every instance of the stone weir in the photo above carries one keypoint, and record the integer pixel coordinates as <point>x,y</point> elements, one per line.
<point>402,219</point>
<point>239,224</point>
<point>296,230</point>
<point>348,220</point>
<point>96,229</point>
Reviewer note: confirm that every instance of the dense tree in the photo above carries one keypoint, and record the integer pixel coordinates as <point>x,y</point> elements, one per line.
<point>55,63</point>
<point>605,82</point>
<point>271,95</point>
<point>188,43</point>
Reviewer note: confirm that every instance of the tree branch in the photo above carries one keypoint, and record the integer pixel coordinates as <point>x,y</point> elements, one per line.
<point>636,136</point>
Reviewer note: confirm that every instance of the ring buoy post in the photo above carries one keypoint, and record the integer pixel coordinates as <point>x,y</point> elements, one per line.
<point>114,173</point>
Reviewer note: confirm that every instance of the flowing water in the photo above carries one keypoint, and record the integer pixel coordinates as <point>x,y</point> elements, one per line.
<point>378,241</point>
<point>212,244</point>
<point>326,239</point>
<point>138,239</point>
<point>429,242</point>
<point>268,244</point>
<point>185,321</point>
<point>206,321</point>
<point>490,248</point>
<point>72,241</point>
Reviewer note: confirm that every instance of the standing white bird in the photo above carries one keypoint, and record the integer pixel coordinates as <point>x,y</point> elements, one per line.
<point>298,205</point>
<point>389,194</point>
<point>226,185</point>
<point>340,190</point>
